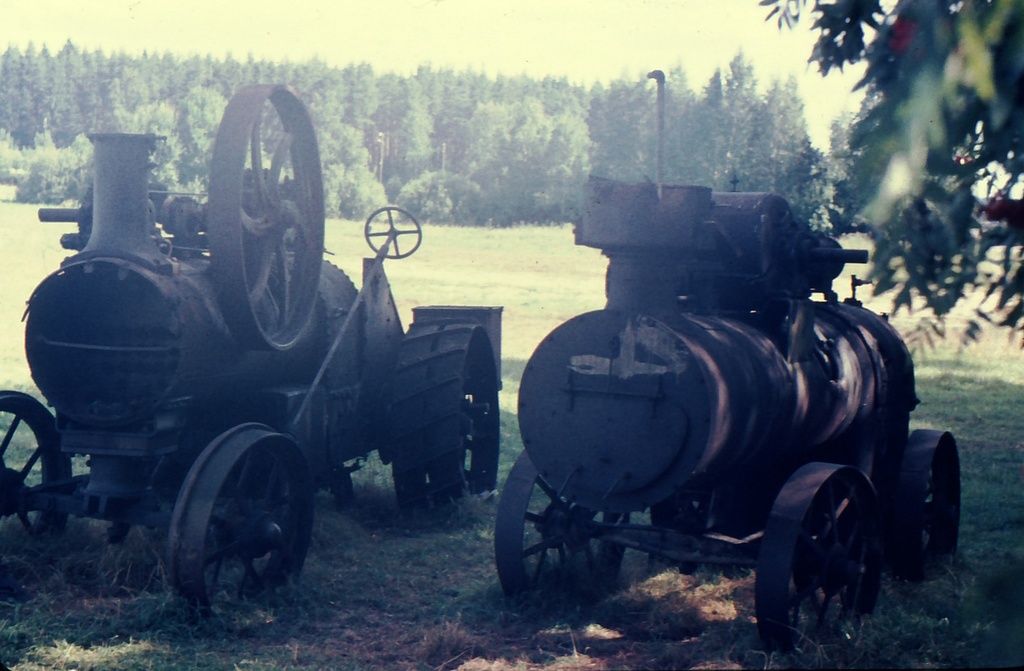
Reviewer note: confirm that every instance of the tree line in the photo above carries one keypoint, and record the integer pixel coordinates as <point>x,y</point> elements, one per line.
<point>455,147</point>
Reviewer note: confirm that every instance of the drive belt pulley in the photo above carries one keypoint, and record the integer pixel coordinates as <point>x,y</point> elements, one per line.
<point>265,224</point>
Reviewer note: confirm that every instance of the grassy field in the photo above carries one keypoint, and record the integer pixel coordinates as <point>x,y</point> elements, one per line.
<point>381,591</point>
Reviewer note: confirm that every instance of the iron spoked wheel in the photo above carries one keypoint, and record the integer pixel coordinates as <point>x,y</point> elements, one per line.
<point>538,535</point>
<point>393,223</point>
<point>265,216</point>
<point>821,555</point>
<point>926,504</point>
<point>445,415</point>
<point>30,458</point>
<point>243,518</point>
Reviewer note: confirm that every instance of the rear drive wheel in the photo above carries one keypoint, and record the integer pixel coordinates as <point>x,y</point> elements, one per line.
<point>925,519</point>
<point>445,419</point>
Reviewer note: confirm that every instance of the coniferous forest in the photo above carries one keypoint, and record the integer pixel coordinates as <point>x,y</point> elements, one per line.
<point>452,146</point>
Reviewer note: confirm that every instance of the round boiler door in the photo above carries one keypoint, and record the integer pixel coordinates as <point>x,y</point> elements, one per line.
<point>614,410</point>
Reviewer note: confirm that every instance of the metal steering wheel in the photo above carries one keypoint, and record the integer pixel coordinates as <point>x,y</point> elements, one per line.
<point>386,225</point>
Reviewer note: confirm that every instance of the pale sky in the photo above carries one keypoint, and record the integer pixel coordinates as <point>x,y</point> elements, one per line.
<point>584,40</point>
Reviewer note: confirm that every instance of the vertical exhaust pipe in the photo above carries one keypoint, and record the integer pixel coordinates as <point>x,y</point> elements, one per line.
<point>122,224</point>
<point>659,77</point>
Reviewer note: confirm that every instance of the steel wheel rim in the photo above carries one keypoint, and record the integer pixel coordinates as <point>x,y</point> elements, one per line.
<point>536,529</point>
<point>243,517</point>
<point>266,235</point>
<point>942,503</point>
<point>30,457</point>
<point>925,515</point>
<point>822,549</point>
<point>445,415</point>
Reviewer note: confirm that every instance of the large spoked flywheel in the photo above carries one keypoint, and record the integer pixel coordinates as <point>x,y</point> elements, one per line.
<point>243,517</point>
<point>265,219</point>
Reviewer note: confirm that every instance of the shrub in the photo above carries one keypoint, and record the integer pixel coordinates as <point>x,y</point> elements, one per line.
<point>442,197</point>
<point>351,192</point>
<point>55,176</point>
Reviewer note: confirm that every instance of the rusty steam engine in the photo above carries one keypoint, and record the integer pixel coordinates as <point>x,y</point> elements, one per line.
<point>714,413</point>
<point>214,370</point>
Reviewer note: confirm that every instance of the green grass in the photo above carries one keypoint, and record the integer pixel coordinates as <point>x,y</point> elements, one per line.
<point>384,591</point>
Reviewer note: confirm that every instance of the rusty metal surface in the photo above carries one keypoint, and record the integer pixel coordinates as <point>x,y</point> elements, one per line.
<point>122,222</point>
<point>620,411</point>
<point>710,358</point>
<point>243,517</point>
<point>445,424</point>
<point>725,389</point>
<point>821,558</point>
<point>926,510</point>
<point>266,217</point>
<point>215,371</point>
<point>39,465</point>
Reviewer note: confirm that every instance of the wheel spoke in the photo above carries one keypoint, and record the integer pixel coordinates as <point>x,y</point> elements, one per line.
<point>15,421</point>
<point>281,154</point>
<point>812,543</point>
<point>260,517</point>
<point>821,552</point>
<point>284,280</point>
<point>394,230</point>
<point>536,518</point>
<point>826,599</point>
<point>548,490</point>
<point>30,464</point>
<point>250,572</point>
<point>256,157</point>
<point>805,591</point>
<point>32,434</point>
<point>260,263</point>
<point>215,578</point>
<point>543,546</point>
<point>832,513</point>
<point>853,532</point>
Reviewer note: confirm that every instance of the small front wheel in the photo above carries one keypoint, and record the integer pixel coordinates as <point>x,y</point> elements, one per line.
<point>821,555</point>
<point>30,459</point>
<point>243,518</point>
<point>538,534</point>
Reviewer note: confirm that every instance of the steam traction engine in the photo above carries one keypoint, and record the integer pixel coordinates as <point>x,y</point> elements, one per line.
<point>215,370</point>
<point>713,413</point>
